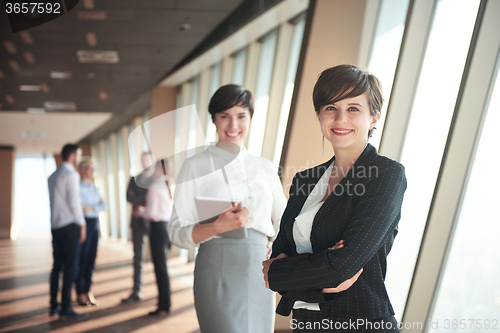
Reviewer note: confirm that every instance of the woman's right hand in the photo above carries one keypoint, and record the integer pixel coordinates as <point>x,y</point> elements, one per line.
<point>230,220</point>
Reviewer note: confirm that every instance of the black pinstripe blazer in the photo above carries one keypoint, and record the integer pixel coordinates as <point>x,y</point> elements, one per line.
<point>366,218</point>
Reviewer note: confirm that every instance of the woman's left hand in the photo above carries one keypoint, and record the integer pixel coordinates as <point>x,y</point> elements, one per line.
<point>270,247</point>
<point>267,263</point>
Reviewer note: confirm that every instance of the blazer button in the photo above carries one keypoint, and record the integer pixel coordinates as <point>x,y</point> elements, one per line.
<point>312,239</point>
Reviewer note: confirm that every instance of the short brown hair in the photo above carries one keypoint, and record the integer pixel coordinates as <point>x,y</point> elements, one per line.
<point>228,96</point>
<point>346,81</point>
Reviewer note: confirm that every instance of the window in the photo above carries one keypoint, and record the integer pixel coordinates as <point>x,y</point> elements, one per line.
<point>264,76</point>
<point>30,190</point>
<point>298,33</point>
<point>122,189</point>
<point>470,288</point>
<point>239,59</point>
<point>111,191</point>
<point>432,110</point>
<point>193,115</point>
<point>385,52</point>
<point>214,85</point>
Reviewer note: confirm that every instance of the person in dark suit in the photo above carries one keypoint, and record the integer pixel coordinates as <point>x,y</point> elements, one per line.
<point>354,201</point>
<point>136,195</point>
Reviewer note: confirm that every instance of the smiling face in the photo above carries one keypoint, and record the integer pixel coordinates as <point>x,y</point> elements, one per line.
<point>232,124</point>
<point>346,123</point>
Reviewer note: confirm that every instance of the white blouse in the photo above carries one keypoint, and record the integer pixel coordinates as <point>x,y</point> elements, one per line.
<point>303,225</point>
<point>158,202</point>
<point>245,178</point>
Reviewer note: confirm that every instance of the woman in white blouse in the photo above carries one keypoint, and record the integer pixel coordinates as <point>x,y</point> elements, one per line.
<point>230,295</point>
<point>159,204</point>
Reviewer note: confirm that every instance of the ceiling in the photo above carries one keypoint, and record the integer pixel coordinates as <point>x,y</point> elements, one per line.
<point>149,43</point>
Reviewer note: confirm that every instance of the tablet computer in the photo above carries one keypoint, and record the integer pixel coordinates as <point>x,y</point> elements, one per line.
<point>209,210</point>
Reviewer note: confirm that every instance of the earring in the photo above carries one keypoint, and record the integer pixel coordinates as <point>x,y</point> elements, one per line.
<point>323,145</point>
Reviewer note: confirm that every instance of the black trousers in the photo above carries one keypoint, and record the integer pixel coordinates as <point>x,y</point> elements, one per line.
<point>66,252</point>
<point>159,241</point>
<point>140,229</point>
<point>306,321</point>
<point>88,253</point>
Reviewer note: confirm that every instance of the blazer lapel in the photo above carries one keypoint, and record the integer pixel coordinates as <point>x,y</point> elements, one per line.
<point>365,159</point>
<point>308,179</point>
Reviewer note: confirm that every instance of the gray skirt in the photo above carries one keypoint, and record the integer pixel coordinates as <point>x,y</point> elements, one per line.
<point>229,290</point>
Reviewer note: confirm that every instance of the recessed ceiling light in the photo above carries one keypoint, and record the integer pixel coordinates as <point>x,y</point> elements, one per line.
<point>14,65</point>
<point>103,95</point>
<point>33,134</point>
<point>9,99</point>
<point>44,87</point>
<point>28,87</point>
<point>88,4</point>
<point>97,57</point>
<point>60,75</point>
<point>30,58</point>
<point>10,47</point>
<point>60,106</point>
<point>183,27</point>
<point>91,39</point>
<point>92,15</point>
<point>26,37</point>
<point>36,110</point>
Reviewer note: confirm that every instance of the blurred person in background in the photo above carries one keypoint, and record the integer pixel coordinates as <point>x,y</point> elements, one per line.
<point>68,230</point>
<point>136,195</point>
<point>92,204</point>
<point>159,205</point>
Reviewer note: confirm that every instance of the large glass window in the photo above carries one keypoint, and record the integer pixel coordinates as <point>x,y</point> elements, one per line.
<point>385,52</point>
<point>470,287</point>
<point>31,190</point>
<point>111,192</point>
<point>214,85</point>
<point>131,151</point>
<point>239,63</point>
<point>432,110</point>
<point>293,61</point>
<point>145,118</point>
<point>193,116</point>
<point>264,76</point>
<point>122,188</point>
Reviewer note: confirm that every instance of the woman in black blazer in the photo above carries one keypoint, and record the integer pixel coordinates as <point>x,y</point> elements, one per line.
<point>354,198</point>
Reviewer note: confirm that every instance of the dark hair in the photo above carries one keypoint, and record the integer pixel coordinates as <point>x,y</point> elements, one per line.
<point>228,96</point>
<point>346,81</point>
<point>67,150</point>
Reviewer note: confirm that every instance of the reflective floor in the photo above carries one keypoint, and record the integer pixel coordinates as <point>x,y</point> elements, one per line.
<point>24,292</point>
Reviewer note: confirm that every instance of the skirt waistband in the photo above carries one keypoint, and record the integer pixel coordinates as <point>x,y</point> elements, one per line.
<point>253,238</point>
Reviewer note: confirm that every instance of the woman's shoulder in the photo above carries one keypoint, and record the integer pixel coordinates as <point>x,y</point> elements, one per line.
<point>196,161</point>
<point>262,161</point>
<point>388,163</point>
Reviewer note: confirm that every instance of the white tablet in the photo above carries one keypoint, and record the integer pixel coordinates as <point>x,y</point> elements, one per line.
<point>209,210</point>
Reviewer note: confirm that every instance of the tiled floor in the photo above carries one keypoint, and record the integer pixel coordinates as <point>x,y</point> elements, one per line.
<point>24,272</point>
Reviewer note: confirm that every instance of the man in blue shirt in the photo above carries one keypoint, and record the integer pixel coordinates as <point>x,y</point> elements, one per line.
<point>68,230</point>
